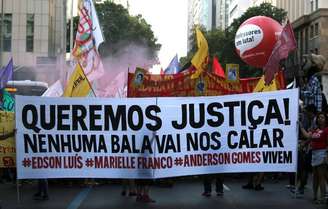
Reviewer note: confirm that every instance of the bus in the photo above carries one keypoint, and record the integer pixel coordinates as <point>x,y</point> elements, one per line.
<point>26,87</point>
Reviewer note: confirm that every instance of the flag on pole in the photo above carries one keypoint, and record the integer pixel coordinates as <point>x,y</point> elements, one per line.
<point>55,90</point>
<point>88,38</point>
<point>217,68</point>
<point>6,74</point>
<point>262,87</point>
<point>200,59</point>
<point>96,29</point>
<point>78,84</point>
<point>173,67</point>
<point>284,45</point>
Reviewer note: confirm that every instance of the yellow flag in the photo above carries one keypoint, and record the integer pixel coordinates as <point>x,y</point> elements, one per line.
<point>200,59</point>
<point>261,87</point>
<point>7,140</point>
<point>78,84</point>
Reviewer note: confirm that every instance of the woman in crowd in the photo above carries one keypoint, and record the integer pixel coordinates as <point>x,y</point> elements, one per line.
<point>318,140</point>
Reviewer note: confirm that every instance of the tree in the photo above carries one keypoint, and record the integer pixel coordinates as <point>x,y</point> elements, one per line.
<point>221,43</point>
<point>121,29</point>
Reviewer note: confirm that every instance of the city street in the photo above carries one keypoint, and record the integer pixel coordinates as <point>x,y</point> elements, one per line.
<point>114,104</point>
<point>185,194</point>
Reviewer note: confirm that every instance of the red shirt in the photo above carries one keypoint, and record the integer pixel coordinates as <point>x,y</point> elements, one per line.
<point>319,139</point>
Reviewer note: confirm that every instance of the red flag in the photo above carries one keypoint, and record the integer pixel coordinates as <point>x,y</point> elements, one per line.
<point>284,45</point>
<point>217,69</point>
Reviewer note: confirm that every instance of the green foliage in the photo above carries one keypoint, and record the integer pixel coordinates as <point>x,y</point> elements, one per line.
<point>121,29</point>
<point>265,9</point>
<point>221,43</point>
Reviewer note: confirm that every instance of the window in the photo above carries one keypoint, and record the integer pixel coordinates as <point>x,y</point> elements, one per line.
<point>29,32</point>
<point>311,31</point>
<point>316,4</point>
<point>311,6</point>
<point>7,32</point>
<point>316,29</point>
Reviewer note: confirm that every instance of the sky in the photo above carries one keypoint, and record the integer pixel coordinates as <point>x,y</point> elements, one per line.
<point>169,21</point>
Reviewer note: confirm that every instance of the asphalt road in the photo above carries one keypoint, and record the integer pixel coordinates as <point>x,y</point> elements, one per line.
<point>185,194</point>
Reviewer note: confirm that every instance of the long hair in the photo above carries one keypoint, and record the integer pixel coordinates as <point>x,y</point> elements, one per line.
<point>317,117</point>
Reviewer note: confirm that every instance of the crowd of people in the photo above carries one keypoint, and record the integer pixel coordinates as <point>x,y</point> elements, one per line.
<point>312,153</point>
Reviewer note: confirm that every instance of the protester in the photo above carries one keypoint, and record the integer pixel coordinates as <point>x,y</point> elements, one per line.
<point>42,193</point>
<point>318,140</point>
<point>324,100</point>
<point>143,188</point>
<point>255,182</point>
<point>128,186</point>
<point>307,120</point>
<point>143,185</point>
<point>311,93</point>
<point>207,181</point>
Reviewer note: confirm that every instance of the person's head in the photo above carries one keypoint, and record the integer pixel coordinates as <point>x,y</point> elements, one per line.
<point>321,120</point>
<point>139,77</point>
<point>312,64</point>
<point>313,70</point>
<point>311,111</point>
<point>200,86</point>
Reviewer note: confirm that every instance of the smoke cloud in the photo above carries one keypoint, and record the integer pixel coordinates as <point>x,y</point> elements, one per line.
<point>118,64</point>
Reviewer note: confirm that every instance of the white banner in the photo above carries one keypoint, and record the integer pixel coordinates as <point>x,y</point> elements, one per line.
<point>156,137</point>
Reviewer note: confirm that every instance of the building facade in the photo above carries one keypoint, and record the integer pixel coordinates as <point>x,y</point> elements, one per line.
<point>34,35</point>
<point>309,19</point>
<point>258,2</point>
<point>33,31</point>
<point>310,32</point>
<point>298,8</point>
<point>201,12</point>
<point>294,8</point>
<point>237,8</point>
<point>222,13</point>
<point>228,10</point>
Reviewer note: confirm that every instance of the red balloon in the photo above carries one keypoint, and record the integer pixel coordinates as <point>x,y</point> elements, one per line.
<point>256,38</point>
